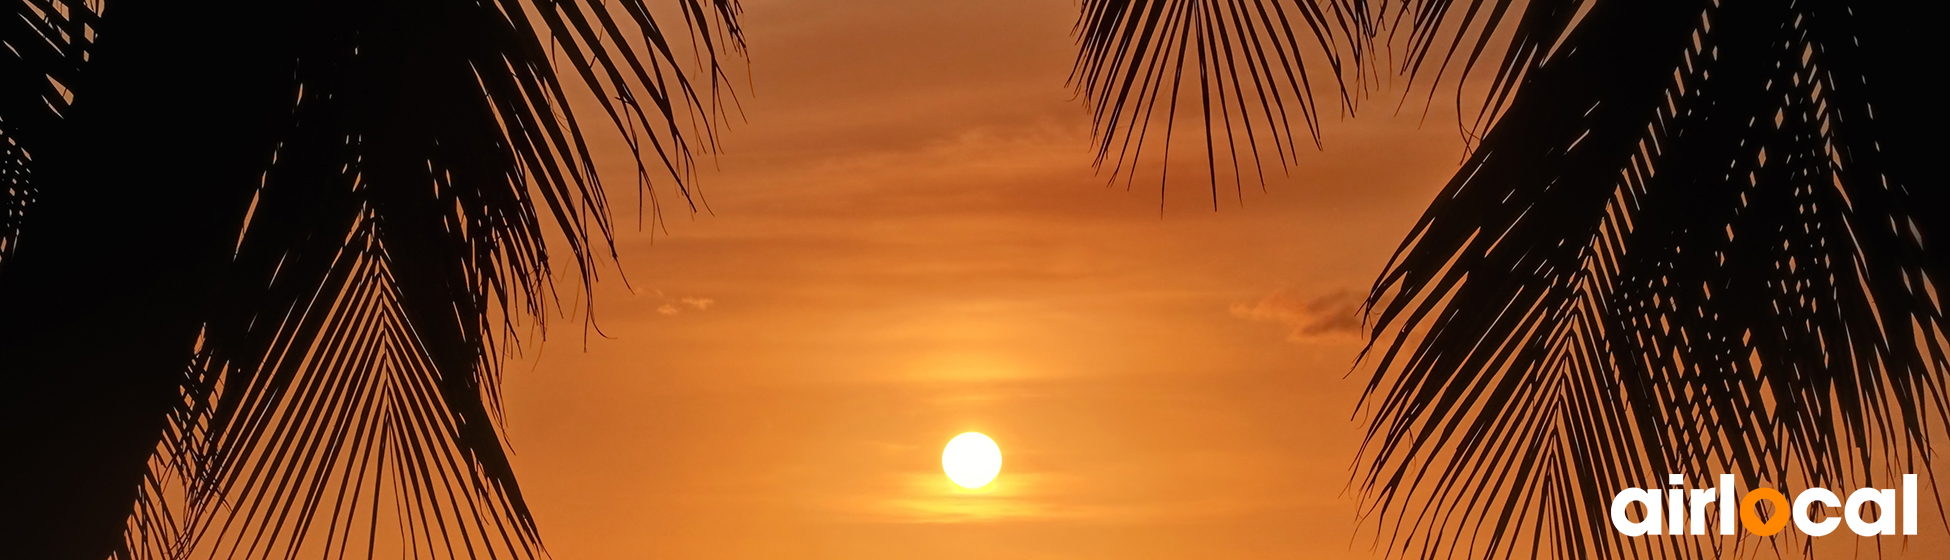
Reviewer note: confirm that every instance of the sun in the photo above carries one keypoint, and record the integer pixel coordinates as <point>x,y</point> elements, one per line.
<point>971,460</point>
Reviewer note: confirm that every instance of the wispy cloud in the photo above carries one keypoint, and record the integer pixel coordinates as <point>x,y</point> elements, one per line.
<point>668,305</point>
<point>1332,315</point>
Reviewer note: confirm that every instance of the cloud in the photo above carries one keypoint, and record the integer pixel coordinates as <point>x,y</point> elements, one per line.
<point>667,305</point>
<point>1334,315</point>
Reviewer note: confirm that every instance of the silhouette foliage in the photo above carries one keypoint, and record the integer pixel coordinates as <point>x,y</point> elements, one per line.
<point>260,262</point>
<point>1697,237</point>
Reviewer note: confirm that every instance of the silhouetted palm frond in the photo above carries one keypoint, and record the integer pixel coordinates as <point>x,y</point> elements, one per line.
<point>43,45</point>
<point>344,393</point>
<point>1256,68</point>
<point>1247,61</point>
<point>1697,237</point>
<point>1682,249</point>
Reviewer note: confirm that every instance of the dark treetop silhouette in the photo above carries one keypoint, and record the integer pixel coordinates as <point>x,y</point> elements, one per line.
<point>258,259</point>
<point>1698,237</point>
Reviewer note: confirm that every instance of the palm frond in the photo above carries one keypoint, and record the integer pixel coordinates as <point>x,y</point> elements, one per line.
<point>1246,60</point>
<point>345,392</point>
<point>1252,74</point>
<point>43,46</point>
<point>1681,248</point>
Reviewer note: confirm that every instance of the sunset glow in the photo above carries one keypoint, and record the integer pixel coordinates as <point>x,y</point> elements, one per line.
<point>777,279</point>
<point>906,242</point>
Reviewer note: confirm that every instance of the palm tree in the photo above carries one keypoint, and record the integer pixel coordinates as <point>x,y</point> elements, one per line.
<point>1696,237</point>
<point>259,261</point>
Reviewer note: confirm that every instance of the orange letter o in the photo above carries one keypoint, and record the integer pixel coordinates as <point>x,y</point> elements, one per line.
<point>1750,515</point>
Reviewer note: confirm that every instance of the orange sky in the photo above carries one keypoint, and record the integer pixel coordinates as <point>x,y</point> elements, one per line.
<point>909,243</point>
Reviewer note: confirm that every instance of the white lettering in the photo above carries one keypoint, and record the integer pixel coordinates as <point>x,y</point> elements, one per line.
<point>1885,501</point>
<point>1624,501</point>
<point>1909,504</point>
<point>1809,497</point>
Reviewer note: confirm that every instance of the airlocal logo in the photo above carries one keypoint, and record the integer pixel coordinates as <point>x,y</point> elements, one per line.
<point>1668,510</point>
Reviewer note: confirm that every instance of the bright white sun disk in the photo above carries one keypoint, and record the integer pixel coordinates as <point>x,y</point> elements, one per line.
<point>971,460</point>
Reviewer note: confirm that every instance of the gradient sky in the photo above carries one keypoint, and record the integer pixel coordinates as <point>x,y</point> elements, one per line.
<point>908,242</point>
